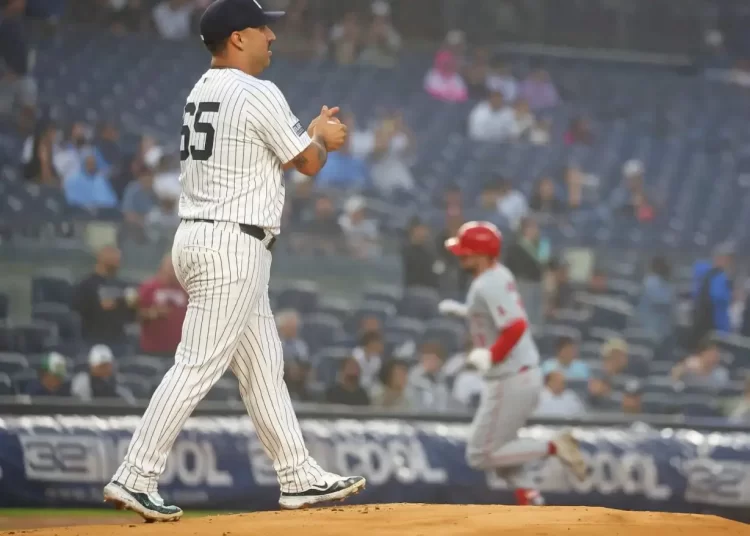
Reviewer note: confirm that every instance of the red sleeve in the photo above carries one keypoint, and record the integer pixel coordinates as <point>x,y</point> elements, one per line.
<point>146,294</point>
<point>508,339</point>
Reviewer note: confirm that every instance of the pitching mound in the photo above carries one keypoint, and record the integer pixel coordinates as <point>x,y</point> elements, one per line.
<point>425,520</point>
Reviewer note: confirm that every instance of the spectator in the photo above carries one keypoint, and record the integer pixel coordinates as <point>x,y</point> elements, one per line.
<point>443,82</point>
<point>347,168</point>
<point>172,19</point>
<point>527,258</point>
<point>511,203</point>
<point>162,220</point>
<point>598,283</point>
<point>105,303</point>
<point>567,361</point>
<point>740,413</point>
<point>419,260</point>
<point>300,206</point>
<point>389,148</point>
<point>491,120</point>
<point>556,400</point>
<point>712,293</point>
<point>137,202</point>
<point>292,345</point>
<point>579,132</point>
<point>362,236</point>
<point>657,300</point>
<point>574,180</point>
<point>89,188</point>
<point>370,324</point>
<point>614,358</point>
<point>347,389</point>
<point>369,356</point>
<point>477,71</point>
<point>539,91</point>
<point>297,379</point>
<point>51,380</point>
<point>632,403</point>
<point>323,233</point>
<point>523,119</point>
<point>558,288</point>
<point>501,79</point>
<point>540,132</point>
<point>69,159</point>
<point>40,162</point>
<point>427,380</point>
<point>99,381</point>
<point>545,200</point>
<point>17,87</point>
<point>455,277</point>
<point>392,391</point>
<point>108,149</point>
<point>454,46</point>
<point>468,386</point>
<point>162,306</point>
<point>125,16</point>
<point>630,198</point>
<point>704,368</point>
<point>346,38</point>
<point>383,41</point>
<point>599,391</point>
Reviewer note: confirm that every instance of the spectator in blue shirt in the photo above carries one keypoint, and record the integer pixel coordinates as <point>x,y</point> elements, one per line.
<point>712,293</point>
<point>344,169</point>
<point>137,201</point>
<point>655,307</point>
<point>567,361</point>
<point>89,188</point>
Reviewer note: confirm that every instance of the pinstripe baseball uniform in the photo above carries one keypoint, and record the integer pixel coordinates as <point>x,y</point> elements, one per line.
<point>237,133</point>
<point>512,388</point>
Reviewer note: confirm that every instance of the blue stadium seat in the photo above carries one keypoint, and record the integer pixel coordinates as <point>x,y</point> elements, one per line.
<point>144,366</point>
<point>36,338</point>
<point>699,406</point>
<point>380,310</point>
<point>302,296</point>
<point>320,330</point>
<point>224,390</point>
<point>140,386</point>
<point>450,334</point>
<point>12,363</point>
<point>383,293</point>
<point>22,379</point>
<point>49,289</point>
<point>6,385</point>
<point>419,302</point>
<point>339,308</point>
<point>68,324</point>
<point>3,306</point>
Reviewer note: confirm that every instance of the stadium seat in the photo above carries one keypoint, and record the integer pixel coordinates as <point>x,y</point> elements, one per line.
<point>140,386</point>
<point>6,385</point>
<point>36,338</point>
<point>3,306</point>
<point>380,310</point>
<point>49,289</point>
<point>339,308</point>
<point>302,296</point>
<point>419,302</point>
<point>224,390</point>
<point>12,363</point>
<point>144,366</point>
<point>383,293</point>
<point>22,379</point>
<point>450,334</point>
<point>68,324</point>
<point>320,330</point>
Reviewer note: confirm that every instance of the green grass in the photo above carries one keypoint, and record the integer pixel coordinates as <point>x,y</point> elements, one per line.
<point>87,512</point>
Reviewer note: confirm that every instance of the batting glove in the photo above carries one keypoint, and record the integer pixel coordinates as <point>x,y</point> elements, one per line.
<point>452,307</point>
<point>481,359</point>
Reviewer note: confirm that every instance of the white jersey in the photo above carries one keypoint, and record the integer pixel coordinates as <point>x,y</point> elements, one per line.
<point>492,303</point>
<point>237,133</point>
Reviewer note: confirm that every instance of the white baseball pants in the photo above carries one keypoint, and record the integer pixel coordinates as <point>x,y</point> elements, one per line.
<point>228,324</point>
<point>507,403</point>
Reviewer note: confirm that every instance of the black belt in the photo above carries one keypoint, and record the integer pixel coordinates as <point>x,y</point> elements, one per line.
<point>252,230</point>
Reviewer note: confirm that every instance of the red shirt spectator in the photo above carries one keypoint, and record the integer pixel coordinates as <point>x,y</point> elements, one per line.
<point>162,307</point>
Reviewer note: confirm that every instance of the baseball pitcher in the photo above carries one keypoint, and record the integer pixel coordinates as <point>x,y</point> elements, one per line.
<point>238,136</point>
<point>504,351</point>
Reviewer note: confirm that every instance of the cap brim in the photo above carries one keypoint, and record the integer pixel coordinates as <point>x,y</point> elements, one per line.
<point>272,16</point>
<point>454,247</point>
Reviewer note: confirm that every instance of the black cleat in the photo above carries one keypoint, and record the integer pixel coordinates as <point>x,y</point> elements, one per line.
<point>150,506</point>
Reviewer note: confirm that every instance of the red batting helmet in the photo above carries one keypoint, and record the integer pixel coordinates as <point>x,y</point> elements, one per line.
<point>476,238</point>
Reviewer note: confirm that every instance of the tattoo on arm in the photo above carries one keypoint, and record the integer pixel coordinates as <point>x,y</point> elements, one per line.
<point>322,153</point>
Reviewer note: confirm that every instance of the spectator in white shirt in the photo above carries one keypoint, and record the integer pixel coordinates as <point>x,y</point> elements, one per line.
<point>162,221</point>
<point>172,19</point>
<point>556,400</point>
<point>511,203</point>
<point>362,236</point>
<point>383,41</point>
<point>467,387</point>
<point>427,378</point>
<point>369,355</point>
<point>501,79</point>
<point>491,120</point>
<point>443,82</point>
<point>523,119</point>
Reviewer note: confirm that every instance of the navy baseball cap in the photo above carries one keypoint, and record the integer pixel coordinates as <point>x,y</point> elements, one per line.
<point>223,17</point>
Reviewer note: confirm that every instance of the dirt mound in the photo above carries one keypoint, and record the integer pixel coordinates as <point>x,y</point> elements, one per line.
<point>425,520</point>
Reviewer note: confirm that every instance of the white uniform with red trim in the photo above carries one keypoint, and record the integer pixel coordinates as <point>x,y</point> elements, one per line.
<point>512,387</point>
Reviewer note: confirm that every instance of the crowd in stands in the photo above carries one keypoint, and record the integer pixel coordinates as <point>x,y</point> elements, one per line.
<point>410,365</point>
